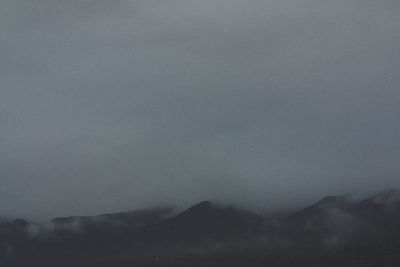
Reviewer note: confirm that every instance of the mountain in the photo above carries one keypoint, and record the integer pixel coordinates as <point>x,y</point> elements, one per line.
<point>107,225</point>
<point>334,231</point>
<point>317,213</point>
<point>207,220</point>
<point>387,202</point>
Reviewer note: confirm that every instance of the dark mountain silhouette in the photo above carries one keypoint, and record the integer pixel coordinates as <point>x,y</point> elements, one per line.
<point>317,213</point>
<point>385,203</point>
<point>335,231</point>
<point>207,220</point>
<point>109,225</point>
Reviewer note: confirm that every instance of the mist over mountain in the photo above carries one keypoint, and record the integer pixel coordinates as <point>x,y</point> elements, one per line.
<point>335,231</point>
<point>235,133</point>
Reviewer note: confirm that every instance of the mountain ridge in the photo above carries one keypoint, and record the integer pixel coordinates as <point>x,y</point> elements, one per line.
<point>330,224</point>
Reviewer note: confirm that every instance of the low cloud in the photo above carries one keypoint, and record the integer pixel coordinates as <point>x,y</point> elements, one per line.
<point>119,105</point>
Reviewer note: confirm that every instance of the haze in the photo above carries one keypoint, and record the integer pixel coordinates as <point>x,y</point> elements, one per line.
<point>108,106</point>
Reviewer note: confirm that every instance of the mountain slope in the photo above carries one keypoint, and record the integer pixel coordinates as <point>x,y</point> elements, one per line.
<point>332,232</point>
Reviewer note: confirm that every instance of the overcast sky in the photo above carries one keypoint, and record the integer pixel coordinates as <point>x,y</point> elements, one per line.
<point>116,105</point>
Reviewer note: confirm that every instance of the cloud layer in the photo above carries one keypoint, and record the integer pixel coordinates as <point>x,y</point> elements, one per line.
<point>115,105</point>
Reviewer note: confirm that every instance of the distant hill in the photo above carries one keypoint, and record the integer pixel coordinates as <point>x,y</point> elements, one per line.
<point>334,231</point>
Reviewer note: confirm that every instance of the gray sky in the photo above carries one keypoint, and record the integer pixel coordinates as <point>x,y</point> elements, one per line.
<point>117,105</point>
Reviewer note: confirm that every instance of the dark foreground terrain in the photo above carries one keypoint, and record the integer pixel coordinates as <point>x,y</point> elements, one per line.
<point>333,232</point>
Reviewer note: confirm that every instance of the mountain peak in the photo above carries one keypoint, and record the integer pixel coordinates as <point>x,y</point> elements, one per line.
<point>203,205</point>
<point>388,199</point>
<point>333,202</point>
<point>202,209</point>
<point>317,212</point>
<point>207,212</point>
